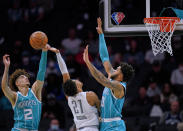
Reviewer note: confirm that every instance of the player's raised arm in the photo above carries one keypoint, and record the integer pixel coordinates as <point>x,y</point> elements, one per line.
<point>38,85</point>
<point>11,95</point>
<point>62,65</point>
<point>114,85</point>
<point>103,49</point>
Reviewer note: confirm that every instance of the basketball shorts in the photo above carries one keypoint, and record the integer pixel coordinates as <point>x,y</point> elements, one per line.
<point>92,128</point>
<point>113,126</point>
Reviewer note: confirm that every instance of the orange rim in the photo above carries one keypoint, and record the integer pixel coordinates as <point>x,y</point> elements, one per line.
<point>157,20</point>
<point>166,23</point>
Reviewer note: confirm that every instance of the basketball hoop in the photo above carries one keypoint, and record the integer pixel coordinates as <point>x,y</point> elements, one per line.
<point>160,32</point>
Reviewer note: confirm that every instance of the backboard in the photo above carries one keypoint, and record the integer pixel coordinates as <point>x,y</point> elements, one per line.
<point>135,11</point>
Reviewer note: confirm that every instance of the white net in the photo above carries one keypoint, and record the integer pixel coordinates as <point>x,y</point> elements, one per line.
<point>160,34</point>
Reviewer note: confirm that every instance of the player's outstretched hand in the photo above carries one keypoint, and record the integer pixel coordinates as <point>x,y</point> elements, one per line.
<point>55,50</point>
<point>46,48</point>
<point>6,60</point>
<point>85,55</point>
<point>99,27</point>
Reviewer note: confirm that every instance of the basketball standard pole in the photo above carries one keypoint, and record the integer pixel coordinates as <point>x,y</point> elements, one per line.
<point>147,8</point>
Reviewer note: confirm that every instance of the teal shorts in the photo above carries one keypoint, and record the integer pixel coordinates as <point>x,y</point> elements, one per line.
<point>113,126</point>
<point>14,129</point>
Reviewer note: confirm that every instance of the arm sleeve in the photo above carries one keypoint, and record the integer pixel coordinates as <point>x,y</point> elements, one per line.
<point>61,63</point>
<point>42,66</point>
<point>103,49</point>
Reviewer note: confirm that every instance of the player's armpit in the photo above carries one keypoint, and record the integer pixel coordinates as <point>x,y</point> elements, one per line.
<point>93,99</point>
<point>37,88</point>
<point>66,77</point>
<point>11,95</point>
<point>97,101</point>
<point>118,92</point>
<point>115,86</point>
<point>66,97</point>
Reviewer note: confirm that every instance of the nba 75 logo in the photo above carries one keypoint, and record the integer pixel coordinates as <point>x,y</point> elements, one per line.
<point>118,17</point>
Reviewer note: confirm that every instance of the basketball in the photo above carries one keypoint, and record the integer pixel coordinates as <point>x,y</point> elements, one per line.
<point>38,40</point>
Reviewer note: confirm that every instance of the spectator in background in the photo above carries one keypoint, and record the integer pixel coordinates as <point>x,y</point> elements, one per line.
<point>167,96</point>
<point>177,75</point>
<point>51,68</point>
<point>156,110</point>
<point>134,56</point>
<point>150,58</point>
<point>117,58</point>
<point>142,103</point>
<point>26,62</point>
<point>158,74</point>
<point>15,13</point>
<point>93,44</point>
<point>142,98</point>
<point>54,125</point>
<point>169,64</point>
<point>17,51</point>
<point>153,89</point>
<point>48,5</point>
<point>73,67</point>
<point>52,110</point>
<point>180,126</point>
<point>172,117</point>
<point>53,84</point>
<point>71,44</point>
<point>79,56</point>
<point>34,13</point>
<point>97,63</point>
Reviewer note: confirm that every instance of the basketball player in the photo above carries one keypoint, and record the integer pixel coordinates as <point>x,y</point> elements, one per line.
<point>82,104</point>
<point>26,102</point>
<point>115,87</point>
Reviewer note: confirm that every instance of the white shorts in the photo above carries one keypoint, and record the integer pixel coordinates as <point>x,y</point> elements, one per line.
<point>92,128</point>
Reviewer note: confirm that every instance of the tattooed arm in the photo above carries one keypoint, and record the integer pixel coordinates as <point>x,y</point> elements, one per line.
<point>114,85</point>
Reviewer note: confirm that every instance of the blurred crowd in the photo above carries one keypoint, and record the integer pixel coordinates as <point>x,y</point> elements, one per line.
<point>154,97</point>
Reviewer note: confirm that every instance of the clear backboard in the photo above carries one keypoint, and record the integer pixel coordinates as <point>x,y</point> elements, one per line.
<point>135,11</point>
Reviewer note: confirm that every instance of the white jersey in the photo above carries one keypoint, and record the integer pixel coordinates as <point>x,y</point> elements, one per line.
<point>84,114</point>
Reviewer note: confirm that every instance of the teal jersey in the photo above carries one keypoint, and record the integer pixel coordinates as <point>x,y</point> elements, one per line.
<point>110,105</point>
<point>27,111</point>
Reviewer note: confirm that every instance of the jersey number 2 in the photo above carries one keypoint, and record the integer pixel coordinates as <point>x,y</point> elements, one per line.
<point>76,106</point>
<point>28,114</point>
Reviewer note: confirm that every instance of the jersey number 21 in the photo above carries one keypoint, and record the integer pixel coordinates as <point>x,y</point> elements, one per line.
<point>76,105</point>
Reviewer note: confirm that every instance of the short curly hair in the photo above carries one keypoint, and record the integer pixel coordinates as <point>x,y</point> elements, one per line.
<point>14,76</point>
<point>70,88</point>
<point>127,70</point>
